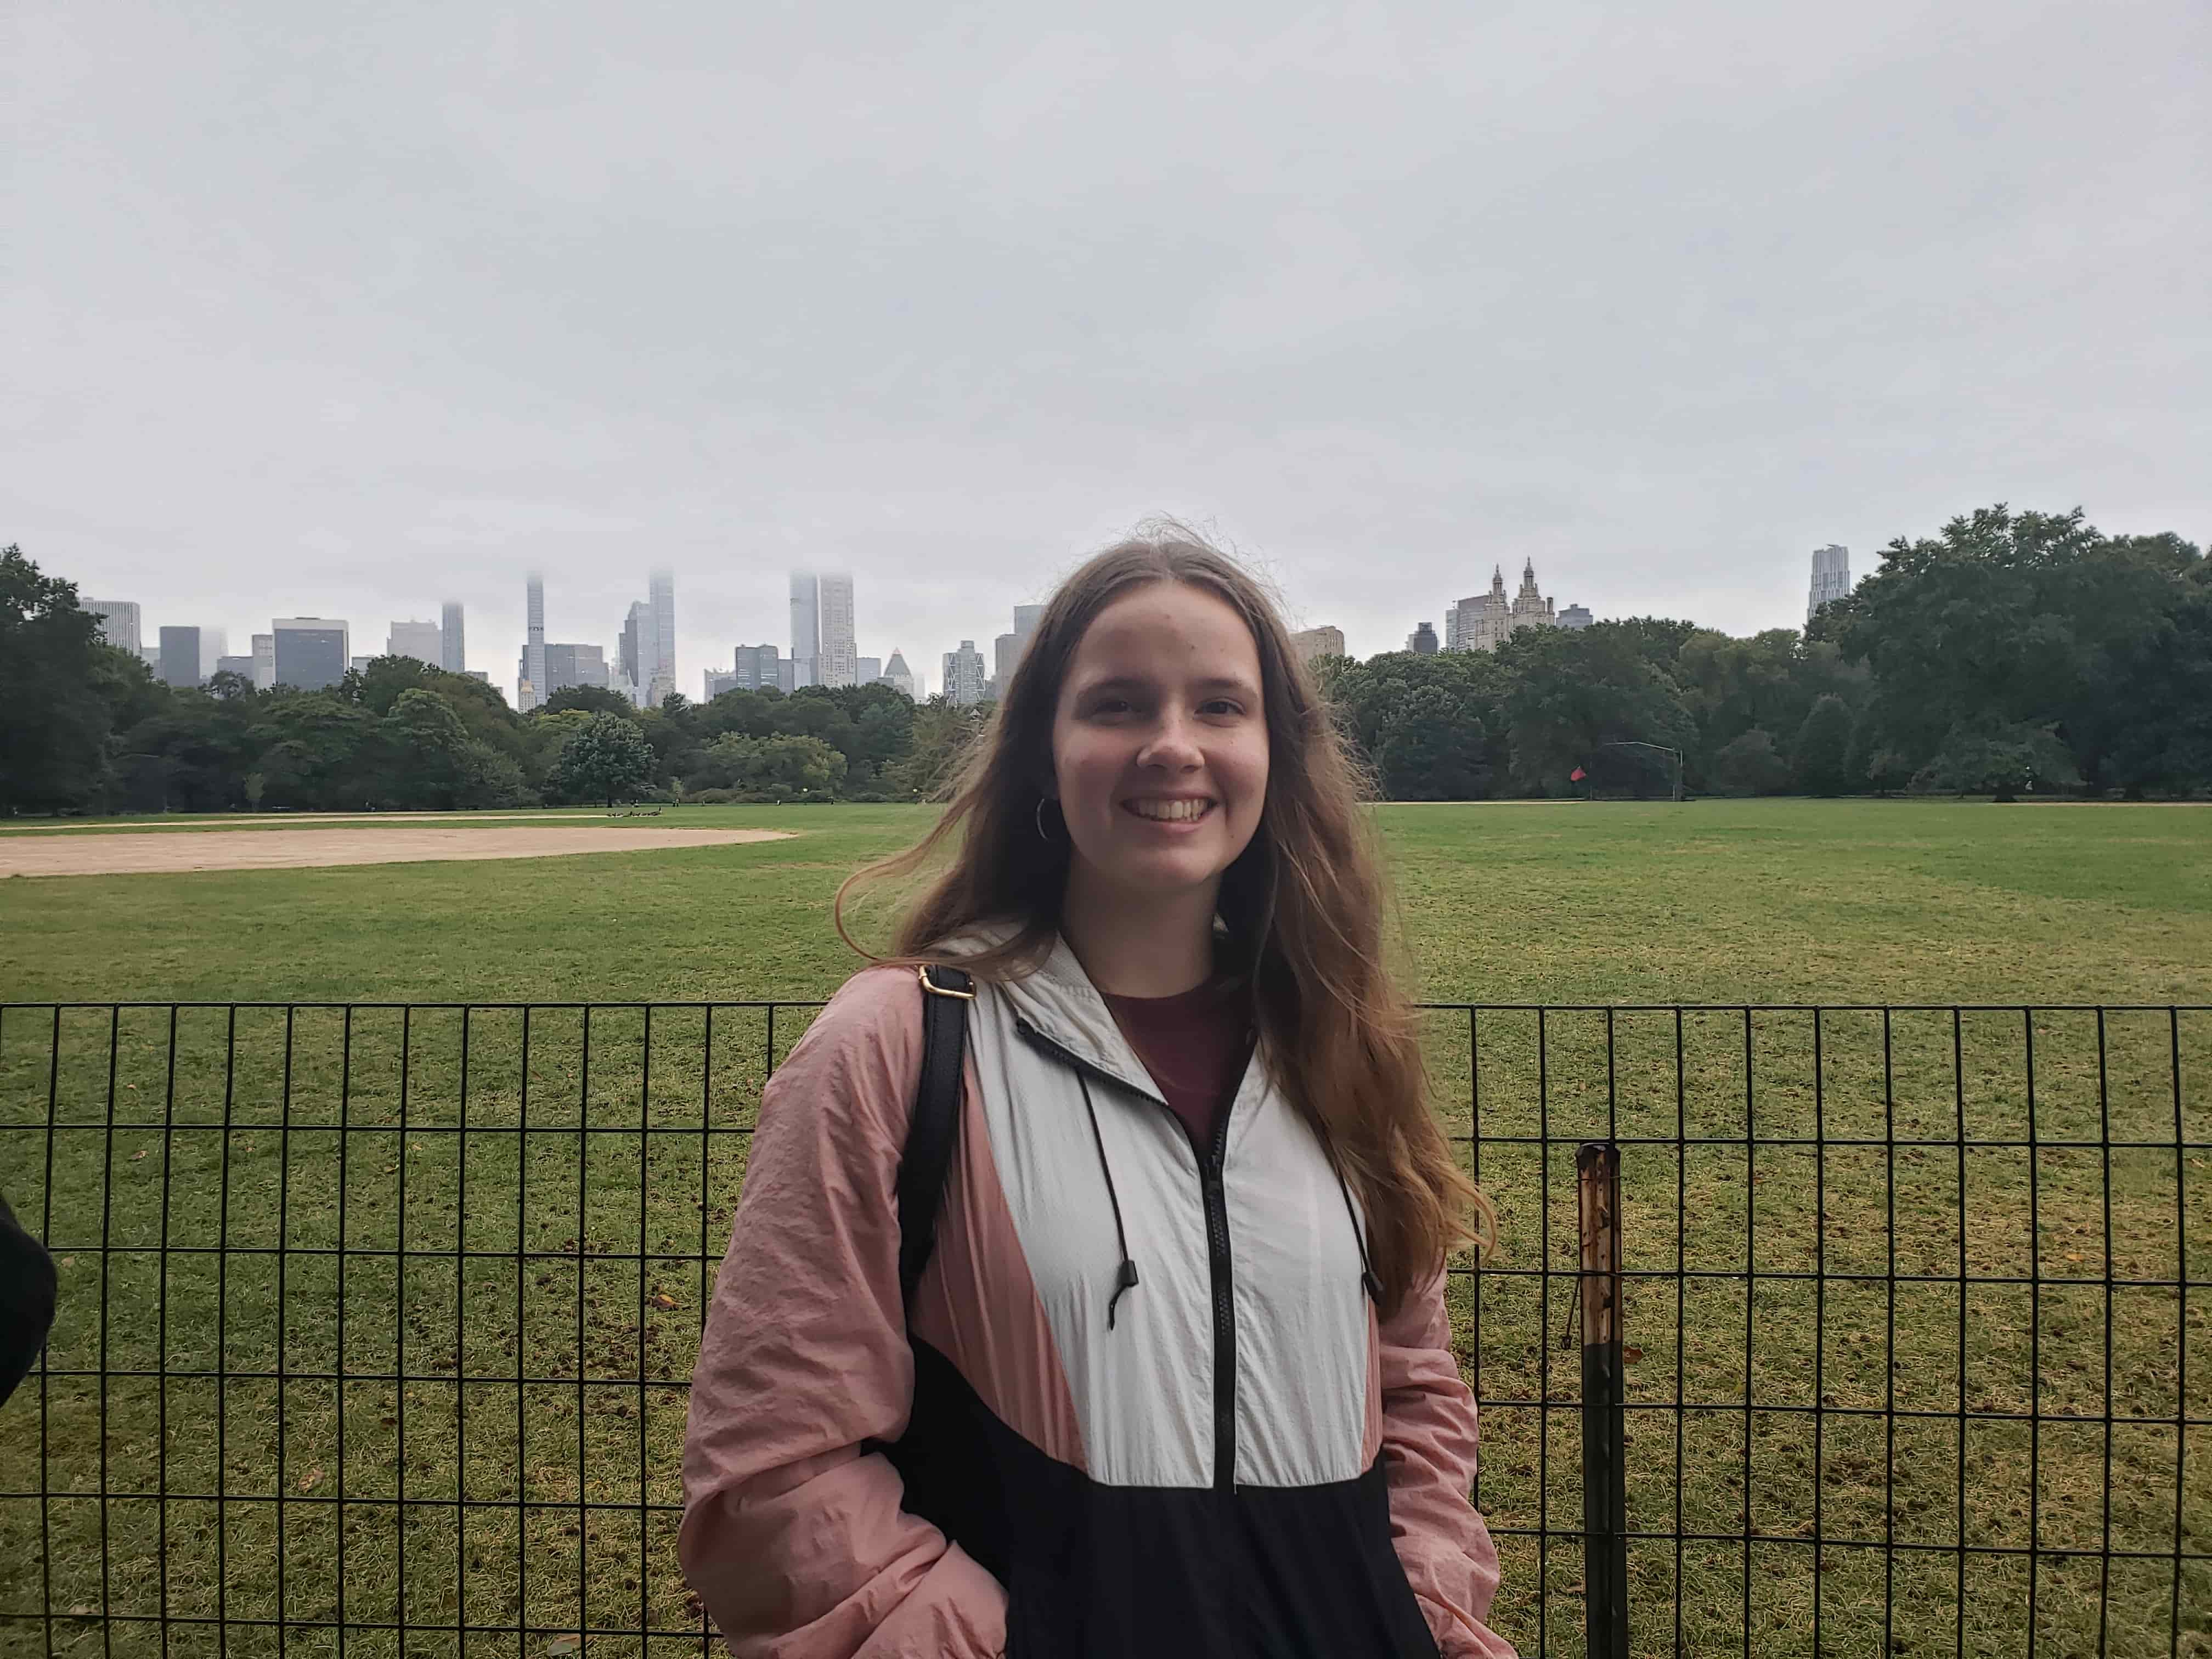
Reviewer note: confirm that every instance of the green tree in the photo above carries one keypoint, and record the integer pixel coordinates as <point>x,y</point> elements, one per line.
<point>429,749</point>
<point>1423,723</point>
<point>1572,692</point>
<point>313,750</point>
<point>1998,758</point>
<point>605,756</point>
<point>777,766</point>
<point>1820,755</point>
<point>1749,765</point>
<point>591,699</point>
<point>2035,621</point>
<point>54,724</point>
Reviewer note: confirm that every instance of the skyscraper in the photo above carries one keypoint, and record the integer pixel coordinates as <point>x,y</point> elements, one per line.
<point>899,677</point>
<point>633,652</point>
<point>963,674</point>
<point>424,641</point>
<point>839,660</point>
<point>805,628</point>
<point>573,665</point>
<point>1314,643</point>
<point>453,641</point>
<point>189,654</point>
<point>660,681</point>
<point>1832,578</point>
<point>265,661</point>
<point>755,668</point>
<point>871,669</point>
<point>529,673</point>
<point>1422,641</point>
<point>1006,650</point>
<point>310,652</point>
<point>118,621</point>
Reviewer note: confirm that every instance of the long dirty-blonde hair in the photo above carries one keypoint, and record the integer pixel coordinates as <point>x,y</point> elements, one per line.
<point>1303,905</point>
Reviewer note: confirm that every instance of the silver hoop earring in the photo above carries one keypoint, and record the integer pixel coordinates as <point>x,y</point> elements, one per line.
<point>1043,835</point>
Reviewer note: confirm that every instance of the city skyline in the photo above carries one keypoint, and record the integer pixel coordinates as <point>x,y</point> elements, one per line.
<point>633,644</point>
<point>1661,305</point>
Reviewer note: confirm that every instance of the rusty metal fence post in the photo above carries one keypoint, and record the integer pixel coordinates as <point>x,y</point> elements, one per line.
<point>1605,1495</point>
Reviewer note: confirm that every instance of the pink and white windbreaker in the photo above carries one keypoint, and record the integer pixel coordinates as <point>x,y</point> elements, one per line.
<point>1230,1457</point>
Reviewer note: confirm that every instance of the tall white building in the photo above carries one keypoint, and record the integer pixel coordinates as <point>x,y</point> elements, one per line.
<point>530,677</point>
<point>453,639</point>
<point>806,628</point>
<point>634,653</point>
<point>265,661</point>
<point>118,621</point>
<point>660,678</point>
<point>424,641</point>
<point>1832,577</point>
<point>963,674</point>
<point>838,663</point>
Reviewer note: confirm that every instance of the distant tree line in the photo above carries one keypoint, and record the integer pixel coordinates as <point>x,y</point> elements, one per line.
<point>2010,652</point>
<point>85,727</point>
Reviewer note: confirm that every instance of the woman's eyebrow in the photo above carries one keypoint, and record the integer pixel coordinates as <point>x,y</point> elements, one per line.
<point>1212,682</point>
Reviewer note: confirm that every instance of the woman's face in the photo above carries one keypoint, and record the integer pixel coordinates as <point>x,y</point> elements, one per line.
<point>1159,742</point>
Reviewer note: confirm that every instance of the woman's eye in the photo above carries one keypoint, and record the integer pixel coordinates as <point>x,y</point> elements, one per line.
<point>1221,706</point>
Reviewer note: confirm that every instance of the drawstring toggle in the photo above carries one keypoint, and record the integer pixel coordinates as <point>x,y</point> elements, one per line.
<point>1125,1279</point>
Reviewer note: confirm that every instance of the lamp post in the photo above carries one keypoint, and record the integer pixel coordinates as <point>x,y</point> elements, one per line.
<point>1659,748</point>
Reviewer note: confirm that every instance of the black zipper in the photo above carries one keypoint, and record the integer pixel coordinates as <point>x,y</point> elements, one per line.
<point>1224,1308</point>
<point>1213,1192</point>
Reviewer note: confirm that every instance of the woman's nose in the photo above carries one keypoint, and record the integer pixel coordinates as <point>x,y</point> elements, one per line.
<point>1170,745</point>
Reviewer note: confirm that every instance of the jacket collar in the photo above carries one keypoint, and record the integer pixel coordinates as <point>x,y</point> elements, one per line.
<point>1058,1001</point>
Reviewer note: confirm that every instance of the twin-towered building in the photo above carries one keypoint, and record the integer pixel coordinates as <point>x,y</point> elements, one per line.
<point>1486,621</point>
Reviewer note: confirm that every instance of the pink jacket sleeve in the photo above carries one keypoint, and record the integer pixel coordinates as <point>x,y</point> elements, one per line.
<point>793,1535</point>
<point>1429,1440</point>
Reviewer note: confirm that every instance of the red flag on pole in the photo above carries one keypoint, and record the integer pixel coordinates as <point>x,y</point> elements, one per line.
<point>1576,775</point>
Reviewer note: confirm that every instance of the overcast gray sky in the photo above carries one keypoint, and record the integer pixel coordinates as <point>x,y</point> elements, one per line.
<point>345,311</point>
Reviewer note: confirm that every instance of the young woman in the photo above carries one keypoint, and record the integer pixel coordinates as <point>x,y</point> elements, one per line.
<point>1178,1378</point>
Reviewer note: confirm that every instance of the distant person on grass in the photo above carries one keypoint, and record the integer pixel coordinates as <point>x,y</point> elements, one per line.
<point>1177,1378</point>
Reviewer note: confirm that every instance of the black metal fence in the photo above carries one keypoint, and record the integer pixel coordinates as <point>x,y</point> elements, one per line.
<point>376,1323</point>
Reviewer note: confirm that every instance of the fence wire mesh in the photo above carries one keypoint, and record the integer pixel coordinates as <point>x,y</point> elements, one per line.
<point>376,1321</point>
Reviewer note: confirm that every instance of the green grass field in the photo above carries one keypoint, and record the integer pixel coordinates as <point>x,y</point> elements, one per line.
<point>1707,901</point>
<point>511,1310</point>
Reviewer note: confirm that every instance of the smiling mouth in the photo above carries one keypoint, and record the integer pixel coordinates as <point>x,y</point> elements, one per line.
<point>1169,811</point>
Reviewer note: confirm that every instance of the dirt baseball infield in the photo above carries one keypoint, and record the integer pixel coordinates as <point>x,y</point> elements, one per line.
<point>297,849</point>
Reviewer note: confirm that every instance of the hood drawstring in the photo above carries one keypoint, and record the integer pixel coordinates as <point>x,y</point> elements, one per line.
<point>1125,1278</point>
<point>1360,1234</point>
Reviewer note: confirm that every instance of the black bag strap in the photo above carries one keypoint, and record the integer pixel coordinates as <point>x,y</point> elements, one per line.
<point>935,1126</point>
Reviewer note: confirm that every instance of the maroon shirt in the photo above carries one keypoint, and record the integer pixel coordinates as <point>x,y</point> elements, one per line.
<point>1195,1045</point>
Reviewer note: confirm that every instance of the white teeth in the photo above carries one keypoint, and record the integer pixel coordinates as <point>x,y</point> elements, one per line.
<point>1169,811</point>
